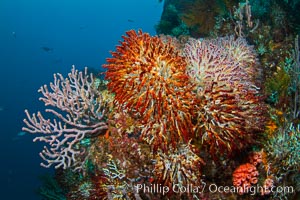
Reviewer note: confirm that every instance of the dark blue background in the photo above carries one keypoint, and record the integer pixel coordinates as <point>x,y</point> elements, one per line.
<point>80,32</point>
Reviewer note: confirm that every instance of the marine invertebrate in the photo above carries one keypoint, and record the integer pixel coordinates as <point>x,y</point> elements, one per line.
<point>125,149</point>
<point>225,59</point>
<point>116,184</point>
<point>79,111</point>
<point>257,171</point>
<point>267,185</point>
<point>283,150</point>
<point>200,15</point>
<point>284,161</point>
<point>51,189</point>
<point>181,166</point>
<point>244,176</point>
<point>277,87</point>
<point>242,54</point>
<point>230,108</point>
<point>84,190</point>
<point>150,84</point>
<point>243,21</point>
<point>256,157</point>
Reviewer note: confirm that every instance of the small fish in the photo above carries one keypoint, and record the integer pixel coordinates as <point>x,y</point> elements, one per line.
<point>19,135</point>
<point>130,20</point>
<point>47,49</point>
<point>106,135</point>
<point>57,61</point>
<point>22,133</point>
<point>151,179</point>
<point>82,27</point>
<point>14,34</point>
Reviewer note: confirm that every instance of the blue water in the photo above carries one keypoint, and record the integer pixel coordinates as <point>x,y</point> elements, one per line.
<point>79,32</point>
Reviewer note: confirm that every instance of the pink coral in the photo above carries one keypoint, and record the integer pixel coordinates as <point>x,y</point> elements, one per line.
<point>256,157</point>
<point>78,111</point>
<point>244,176</point>
<point>268,184</point>
<point>230,107</point>
<point>225,59</point>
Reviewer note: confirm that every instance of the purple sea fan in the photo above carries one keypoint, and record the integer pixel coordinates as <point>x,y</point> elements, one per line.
<point>230,108</point>
<point>79,111</point>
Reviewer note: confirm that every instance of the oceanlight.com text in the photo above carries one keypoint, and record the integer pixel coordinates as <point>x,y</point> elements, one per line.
<point>211,188</point>
<point>252,190</point>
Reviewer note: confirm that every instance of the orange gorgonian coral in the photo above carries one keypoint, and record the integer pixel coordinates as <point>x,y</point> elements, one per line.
<point>148,77</point>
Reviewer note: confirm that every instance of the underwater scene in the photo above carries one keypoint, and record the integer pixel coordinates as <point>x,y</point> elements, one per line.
<point>189,99</point>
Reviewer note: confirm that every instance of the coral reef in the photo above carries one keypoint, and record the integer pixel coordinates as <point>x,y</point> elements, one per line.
<point>163,96</point>
<point>179,117</point>
<point>254,177</point>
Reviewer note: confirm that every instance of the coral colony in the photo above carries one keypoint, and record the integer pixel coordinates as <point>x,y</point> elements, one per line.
<point>84,111</point>
<point>167,116</point>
